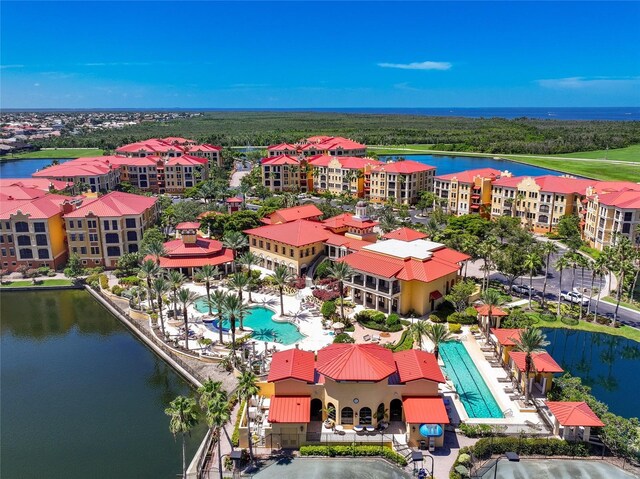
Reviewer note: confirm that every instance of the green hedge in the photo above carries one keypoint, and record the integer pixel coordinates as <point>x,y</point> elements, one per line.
<point>486,447</point>
<point>235,436</point>
<point>382,327</point>
<point>352,451</point>
<point>405,342</point>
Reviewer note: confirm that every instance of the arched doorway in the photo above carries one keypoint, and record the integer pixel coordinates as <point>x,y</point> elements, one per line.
<point>395,410</point>
<point>316,410</point>
<point>346,416</point>
<point>365,416</point>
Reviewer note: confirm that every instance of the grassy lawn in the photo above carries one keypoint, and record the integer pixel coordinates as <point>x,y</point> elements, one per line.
<point>624,331</point>
<point>28,282</point>
<point>57,153</point>
<point>612,300</point>
<point>630,153</point>
<point>401,149</point>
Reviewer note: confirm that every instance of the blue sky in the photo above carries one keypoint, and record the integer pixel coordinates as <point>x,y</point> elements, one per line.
<point>331,54</point>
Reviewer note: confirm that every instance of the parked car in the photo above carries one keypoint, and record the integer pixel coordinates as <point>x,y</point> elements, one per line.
<point>574,297</point>
<point>523,289</point>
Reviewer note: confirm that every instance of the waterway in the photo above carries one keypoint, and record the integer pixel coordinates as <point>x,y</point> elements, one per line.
<point>608,364</point>
<point>80,396</point>
<point>24,168</point>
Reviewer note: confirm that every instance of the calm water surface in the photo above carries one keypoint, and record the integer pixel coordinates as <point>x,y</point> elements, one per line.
<point>80,396</point>
<point>24,168</point>
<point>608,364</point>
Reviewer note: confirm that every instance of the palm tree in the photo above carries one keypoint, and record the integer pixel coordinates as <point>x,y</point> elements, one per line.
<point>234,308</point>
<point>247,260</point>
<point>341,272</point>
<point>623,253</point>
<point>598,268</point>
<point>176,280</point>
<point>583,263</point>
<point>388,222</point>
<point>561,264</point>
<point>247,388</point>
<point>281,277</point>
<point>148,270</point>
<point>184,417</point>
<point>217,414</point>
<point>547,248</point>
<point>532,262</point>
<point>154,248</point>
<point>486,252</point>
<point>186,297</point>
<point>492,298</point>
<point>239,281</point>
<point>208,391</point>
<point>217,301</point>
<point>206,274</point>
<point>531,340</point>
<point>419,330</point>
<point>235,241</point>
<point>160,288</point>
<point>437,333</point>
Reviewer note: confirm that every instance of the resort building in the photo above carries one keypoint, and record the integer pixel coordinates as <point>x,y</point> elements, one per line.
<point>99,174</point>
<point>143,172</point>
<point>103,229</point>
<point>400,181</point>
<point>190,251</point>
<point>32,229</point>
<point>355,386</point>
<point>541,377</point>
<point>348,175</point>
<point>286,215</point>
<point>172,147</point>
<point>184,172</point>
<point>285,173</point>
<point>404,234</point>
<point>319,145</point>
<point>573,420</point>
<point>468,191</point>
<point>504,341</point>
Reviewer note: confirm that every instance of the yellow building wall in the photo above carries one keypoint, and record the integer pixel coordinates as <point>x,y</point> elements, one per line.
<point>297,260</point>
<point>57,235</point>
<point>414,295</point>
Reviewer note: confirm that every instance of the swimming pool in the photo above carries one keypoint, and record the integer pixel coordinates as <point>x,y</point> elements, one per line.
<point>260,321</point>
<point>474,393</point>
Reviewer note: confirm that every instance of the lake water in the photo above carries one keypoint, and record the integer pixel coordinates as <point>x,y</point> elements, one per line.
<point>608,364</point>
<point>81,397</point>
<point>24,168</point>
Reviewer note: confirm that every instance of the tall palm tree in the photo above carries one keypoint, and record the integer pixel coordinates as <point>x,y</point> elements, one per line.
<point>186,297</point>
<point>281,277</point>
<point>388,222</point>
<point>239,281</point>
<point>419,330</point>
<point>217,413</point>
<point>531,340</point>
<point>206,274</point>
<point>160,288</point>
<point>623,253</point>
<point>208,391</point>
<point>492,298</point>
<point>217,301</point>
<point>561,264</point>
<point>149,270</point>
<point>582,263</point>
<point>341,272</point>
<point>234,308</point>
<point>547,248</point>
<point>532,262</point>
<point>235,241</point>
<point>154,248</point>
<point>437,333</point>
<point>247,260</point>
<point>247,388</point>
<point>598,268</point>
<point>184,417</point>
<point>486,252</point>
<point>176,280</point>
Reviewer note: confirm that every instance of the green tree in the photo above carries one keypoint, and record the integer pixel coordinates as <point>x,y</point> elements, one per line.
<point>217,301</point>
<point>569,229</point>
<point>239,281</point>
<point>531,340</point>
<point>235,241</point>
<point>547,249</point>
<point>459,295</point>
<point>493,299</point>
<point>217,413</point>
<point>437,333</point>
<point>562,263</point>
<point>128,264</point>
<point>176,280</point>
<point>186,297</point>
<point>340,272</point>
<point>532,263</point>
<point>149,270</point>
<point>151,235</point>
<point>233,309</point>
<point>598,268</point>
<point>419,330</point>
<point>247,260</point>
<point>280,278</point>
<point>184,417</point>
<point>247,388</point>
<point>207,274</point>
<point>160,288</point>
<point>155,249</point>
<point>74,267</point>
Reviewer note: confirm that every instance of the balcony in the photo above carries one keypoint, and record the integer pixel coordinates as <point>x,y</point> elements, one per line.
<point>544,209</point>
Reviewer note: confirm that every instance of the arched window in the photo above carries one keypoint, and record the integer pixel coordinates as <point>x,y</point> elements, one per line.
<point>331,411</point>
<point>346,416</point>
<point>381,412</point>
<point>365,415</point>
<point>22,227</point>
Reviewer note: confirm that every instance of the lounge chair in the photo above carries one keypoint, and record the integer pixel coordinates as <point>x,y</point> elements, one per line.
<point>366,337</point>
<point>376,337</point>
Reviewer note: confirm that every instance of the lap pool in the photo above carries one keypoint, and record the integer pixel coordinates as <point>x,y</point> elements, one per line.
<point>260,321</point>
<point>316,468</point>
<point>473,391</point>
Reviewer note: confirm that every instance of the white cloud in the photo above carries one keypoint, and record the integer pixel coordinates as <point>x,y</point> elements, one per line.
<point>36,84</point>
<point>114,64</point>
<point>405,87</point>
<point>11,66</point>
<point>418,65</point>
<point>577,83</point>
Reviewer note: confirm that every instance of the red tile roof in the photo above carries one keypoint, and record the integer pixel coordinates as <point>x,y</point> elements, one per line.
<point>114,204</point>
<point>621,199</point>
<point>14,192</point>
<point>506,336</point>
<point>41,183</point>
<point>426,271</point>
<point>195,261</point>
<point>346,162</point>
<point>177,139</point>
<point>355,362</point>
<point>280,160</point>
<point>43,207</point>
<point>348,220</point>
<point>205,147</point>
<point>188,225</point>
<point>203,251</point>
<point>413,364</point>
<point>573,414</point>
<point>405,234</point>
<point>483,310</point>
<point>542,362</point>
<point>186,160</point>
<point>549,183</point>
<point>374,263</point>
<point>468,176</point>
<point>96,166</point>
<point>294,233</point>
<point>335,239</point>
<point>290,409</point>
<point>286,215</point>
<point>234,199</point>
<point>425,410</point>
<point>282,147</point>
<point>292,364</point>
<point>405,167</point>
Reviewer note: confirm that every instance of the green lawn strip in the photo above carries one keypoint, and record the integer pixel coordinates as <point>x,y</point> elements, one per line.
<point>630,153</point>
<point>400,149</point>
<point>612,300</point>
<point>57,153</point>
<point>28,282</point>
<point>624,331</point>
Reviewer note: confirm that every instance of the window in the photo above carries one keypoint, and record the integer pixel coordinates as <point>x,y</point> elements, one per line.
<point>26,253</point>
<point>113,251</point>
<point>1,239</point>
<point>43,254</point>
<point>73,236</point>
<point>132,236</point>
<point>133,248</point>
<point>365,415</point>
<point>4,252</point>
<point>95,250</point>
<point>114,224</point>
<point>93,237</point>
<point>12,252</point>
<point>83,250</point>
<point>130,222</point>
<point>41,240</point>
<point>112,238</point>
<point>81,237</point>
<point>71,224</point>
<point>39,227</point>
<point>291,252</point>
<point>24,240</point>
<point>79,223</point>
<point>91,223</point>
<point>346,416</point>
<point>22,227</point>
<point>106,224</point>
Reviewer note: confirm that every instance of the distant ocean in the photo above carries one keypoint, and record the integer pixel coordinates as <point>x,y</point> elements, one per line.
<point>549,113</point>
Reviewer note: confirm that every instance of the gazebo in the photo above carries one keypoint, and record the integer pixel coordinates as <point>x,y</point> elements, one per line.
<point>496,316</point>
<point>574,418</point>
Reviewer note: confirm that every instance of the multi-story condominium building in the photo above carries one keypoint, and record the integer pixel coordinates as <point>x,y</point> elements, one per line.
<point>184,172</point>
<point>32,230</point>
<point>467,191</point>
<point>285,173</point>
<point>348,175</point>
<point>612,208</point>
<point>211,152</point>
<point>285,215</point>
<point>102,230</point>
<point>172,147</point>
<point>320,145</point>
<point>98,173</point>
<point>401,181</point>
<point>143,172</point>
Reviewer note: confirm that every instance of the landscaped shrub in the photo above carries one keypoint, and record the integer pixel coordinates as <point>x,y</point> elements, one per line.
<point>353,450</point>
<point>437,319</point>
<point>405,342</point>
<point>569,321</point>
<point>343,338</point>
<point>379,317</point>
<point>117,289</point>
<point>486,447</point>
<point>393,319</point>
<point>22,270</point>
<point>299,283</point>
<point>44,271</point>
<point>235,436</point>
<point>104,281</point>
<point>328,309</point>
<point>325,295</point>
<point>322,270</point>
<point>462,318</point>
<point>32,273</point>
<point>130,281</point>
<point>455,328</point>
<point>464,459</point>
<point>477,430</point>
